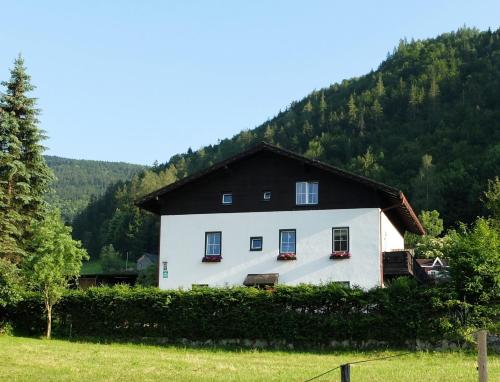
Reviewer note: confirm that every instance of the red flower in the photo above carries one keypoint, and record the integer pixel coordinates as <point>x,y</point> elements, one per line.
<point>287,256</point>
<point>211,259</point>
<point>340,255</point>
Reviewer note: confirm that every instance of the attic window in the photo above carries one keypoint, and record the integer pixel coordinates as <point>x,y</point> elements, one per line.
<point>227,198</point>
<point>266,196</point>
<point>306,193</point>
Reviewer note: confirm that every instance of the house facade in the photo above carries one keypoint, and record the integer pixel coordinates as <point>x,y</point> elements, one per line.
<point>268,211</point>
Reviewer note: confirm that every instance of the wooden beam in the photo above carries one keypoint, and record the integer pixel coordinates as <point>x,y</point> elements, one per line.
<point>482,355</point>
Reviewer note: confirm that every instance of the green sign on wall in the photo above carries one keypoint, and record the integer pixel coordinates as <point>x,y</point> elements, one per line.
<point>165,270</point>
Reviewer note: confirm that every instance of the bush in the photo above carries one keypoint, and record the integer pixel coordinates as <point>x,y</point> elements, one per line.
<point>313,315</point>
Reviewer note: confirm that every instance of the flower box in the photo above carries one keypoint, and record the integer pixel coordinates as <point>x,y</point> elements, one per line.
<point>211,259</point>
<point>340,255</point>
<point>287,256</point>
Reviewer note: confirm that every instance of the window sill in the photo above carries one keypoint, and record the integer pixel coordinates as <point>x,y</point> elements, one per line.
<point>287,256</point>
<point>211,259</point>
<point>340,255</point>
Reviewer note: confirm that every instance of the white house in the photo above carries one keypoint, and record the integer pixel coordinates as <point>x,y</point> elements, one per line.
<point>269,216</point>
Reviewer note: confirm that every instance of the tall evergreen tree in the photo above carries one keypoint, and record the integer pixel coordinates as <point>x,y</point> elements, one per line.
<point>24,174</point>
<point>13,186</point>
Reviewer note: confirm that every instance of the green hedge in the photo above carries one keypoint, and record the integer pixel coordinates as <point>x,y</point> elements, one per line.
<point>301,315</point>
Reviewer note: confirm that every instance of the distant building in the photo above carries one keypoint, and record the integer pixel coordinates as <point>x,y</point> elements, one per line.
<point>436,269</point>
<point>269,216</point>
<point>146,260</point>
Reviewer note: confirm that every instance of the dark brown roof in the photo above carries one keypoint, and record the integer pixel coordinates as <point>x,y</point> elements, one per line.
<point>396,197</point>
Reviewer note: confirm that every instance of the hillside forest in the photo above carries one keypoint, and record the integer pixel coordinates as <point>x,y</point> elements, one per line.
<point>425,121</point>
<point>78,182</point>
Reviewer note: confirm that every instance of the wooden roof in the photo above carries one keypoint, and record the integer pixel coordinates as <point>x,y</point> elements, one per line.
<point>396,200</point>
<point>261,279</point>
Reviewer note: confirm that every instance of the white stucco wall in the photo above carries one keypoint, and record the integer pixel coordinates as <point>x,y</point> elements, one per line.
<point>391,238</point>
<point>182,245</point>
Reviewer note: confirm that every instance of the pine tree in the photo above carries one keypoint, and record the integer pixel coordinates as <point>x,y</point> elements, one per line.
<point>13,187</point>
<point>377,110</point>
<point>352,109</point>
<point>308,107</point>
<point>361,123</point>
<point>322,109</point>
<point>433,89</point>
<point>380,90</point>
<point>24,172</point>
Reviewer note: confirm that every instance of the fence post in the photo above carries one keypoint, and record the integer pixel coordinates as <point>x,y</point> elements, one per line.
<point>345,373</point>
<point>482,355</point>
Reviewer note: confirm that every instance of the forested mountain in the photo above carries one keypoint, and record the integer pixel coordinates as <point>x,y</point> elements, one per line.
<point>78,181</point>
<point>426,121</point>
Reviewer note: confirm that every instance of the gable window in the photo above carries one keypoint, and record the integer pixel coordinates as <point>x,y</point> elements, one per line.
<point>287,241</point>
<point>340,239</point>
<point>306,193</point>
<point>227,198</point>
<point>266,196</point>
<point>213,243</point>
<point>256,243</point>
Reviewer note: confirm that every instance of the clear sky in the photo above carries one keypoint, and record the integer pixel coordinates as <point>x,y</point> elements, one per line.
<point>139,81</point>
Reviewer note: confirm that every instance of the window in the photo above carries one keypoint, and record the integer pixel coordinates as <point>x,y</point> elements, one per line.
<point>227,198</point>
<point>340,239</point>
<point>213,243</point>
<point>306,193</point>
<point>266,196</point>
<point>287,241</point>
<point>256,243</point>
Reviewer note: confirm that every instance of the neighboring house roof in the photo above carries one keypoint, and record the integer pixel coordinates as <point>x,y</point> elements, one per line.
<point>430,263</point>
<point>148,256</point>
<point>395,197</point>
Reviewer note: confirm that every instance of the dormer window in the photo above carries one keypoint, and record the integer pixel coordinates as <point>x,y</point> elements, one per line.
<point>306,193</point>
<point>266,196</point>
<point>227,198</point>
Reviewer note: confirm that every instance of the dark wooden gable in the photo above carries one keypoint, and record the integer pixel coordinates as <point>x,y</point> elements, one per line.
<point>267,168</point>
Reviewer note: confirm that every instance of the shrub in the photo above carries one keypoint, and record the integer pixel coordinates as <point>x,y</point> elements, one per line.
<point>314,315</point>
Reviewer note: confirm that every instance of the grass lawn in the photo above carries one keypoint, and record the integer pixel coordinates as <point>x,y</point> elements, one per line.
<point>28,359</point>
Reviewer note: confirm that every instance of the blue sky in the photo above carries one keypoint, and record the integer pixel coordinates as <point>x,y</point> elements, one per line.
<point>139,81</point>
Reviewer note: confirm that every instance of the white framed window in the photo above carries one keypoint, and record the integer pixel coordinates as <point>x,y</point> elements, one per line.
<point>213,243</point>
<point>227,198</point>
<point>306,193</point>
<point>266,195</point>
<point>287,241</point>
<point>340,239</point>
<point>256,243</point>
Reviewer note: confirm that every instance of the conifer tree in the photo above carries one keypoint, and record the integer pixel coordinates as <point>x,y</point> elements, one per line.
<point>13,188</point>
<point>24,175</point>
<point>308,107</point>
<point>352,109</point>
<point>377,110</point>
<point>380,90</point>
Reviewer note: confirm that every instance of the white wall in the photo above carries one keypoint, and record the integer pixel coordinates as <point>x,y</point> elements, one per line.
<point>391,238</point>
<point>183,244</point>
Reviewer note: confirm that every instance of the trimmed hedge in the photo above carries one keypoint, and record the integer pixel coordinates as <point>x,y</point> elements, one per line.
<point>397,315</point>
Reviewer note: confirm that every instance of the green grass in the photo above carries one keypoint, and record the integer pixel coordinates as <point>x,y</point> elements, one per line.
<point>28,359</point>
